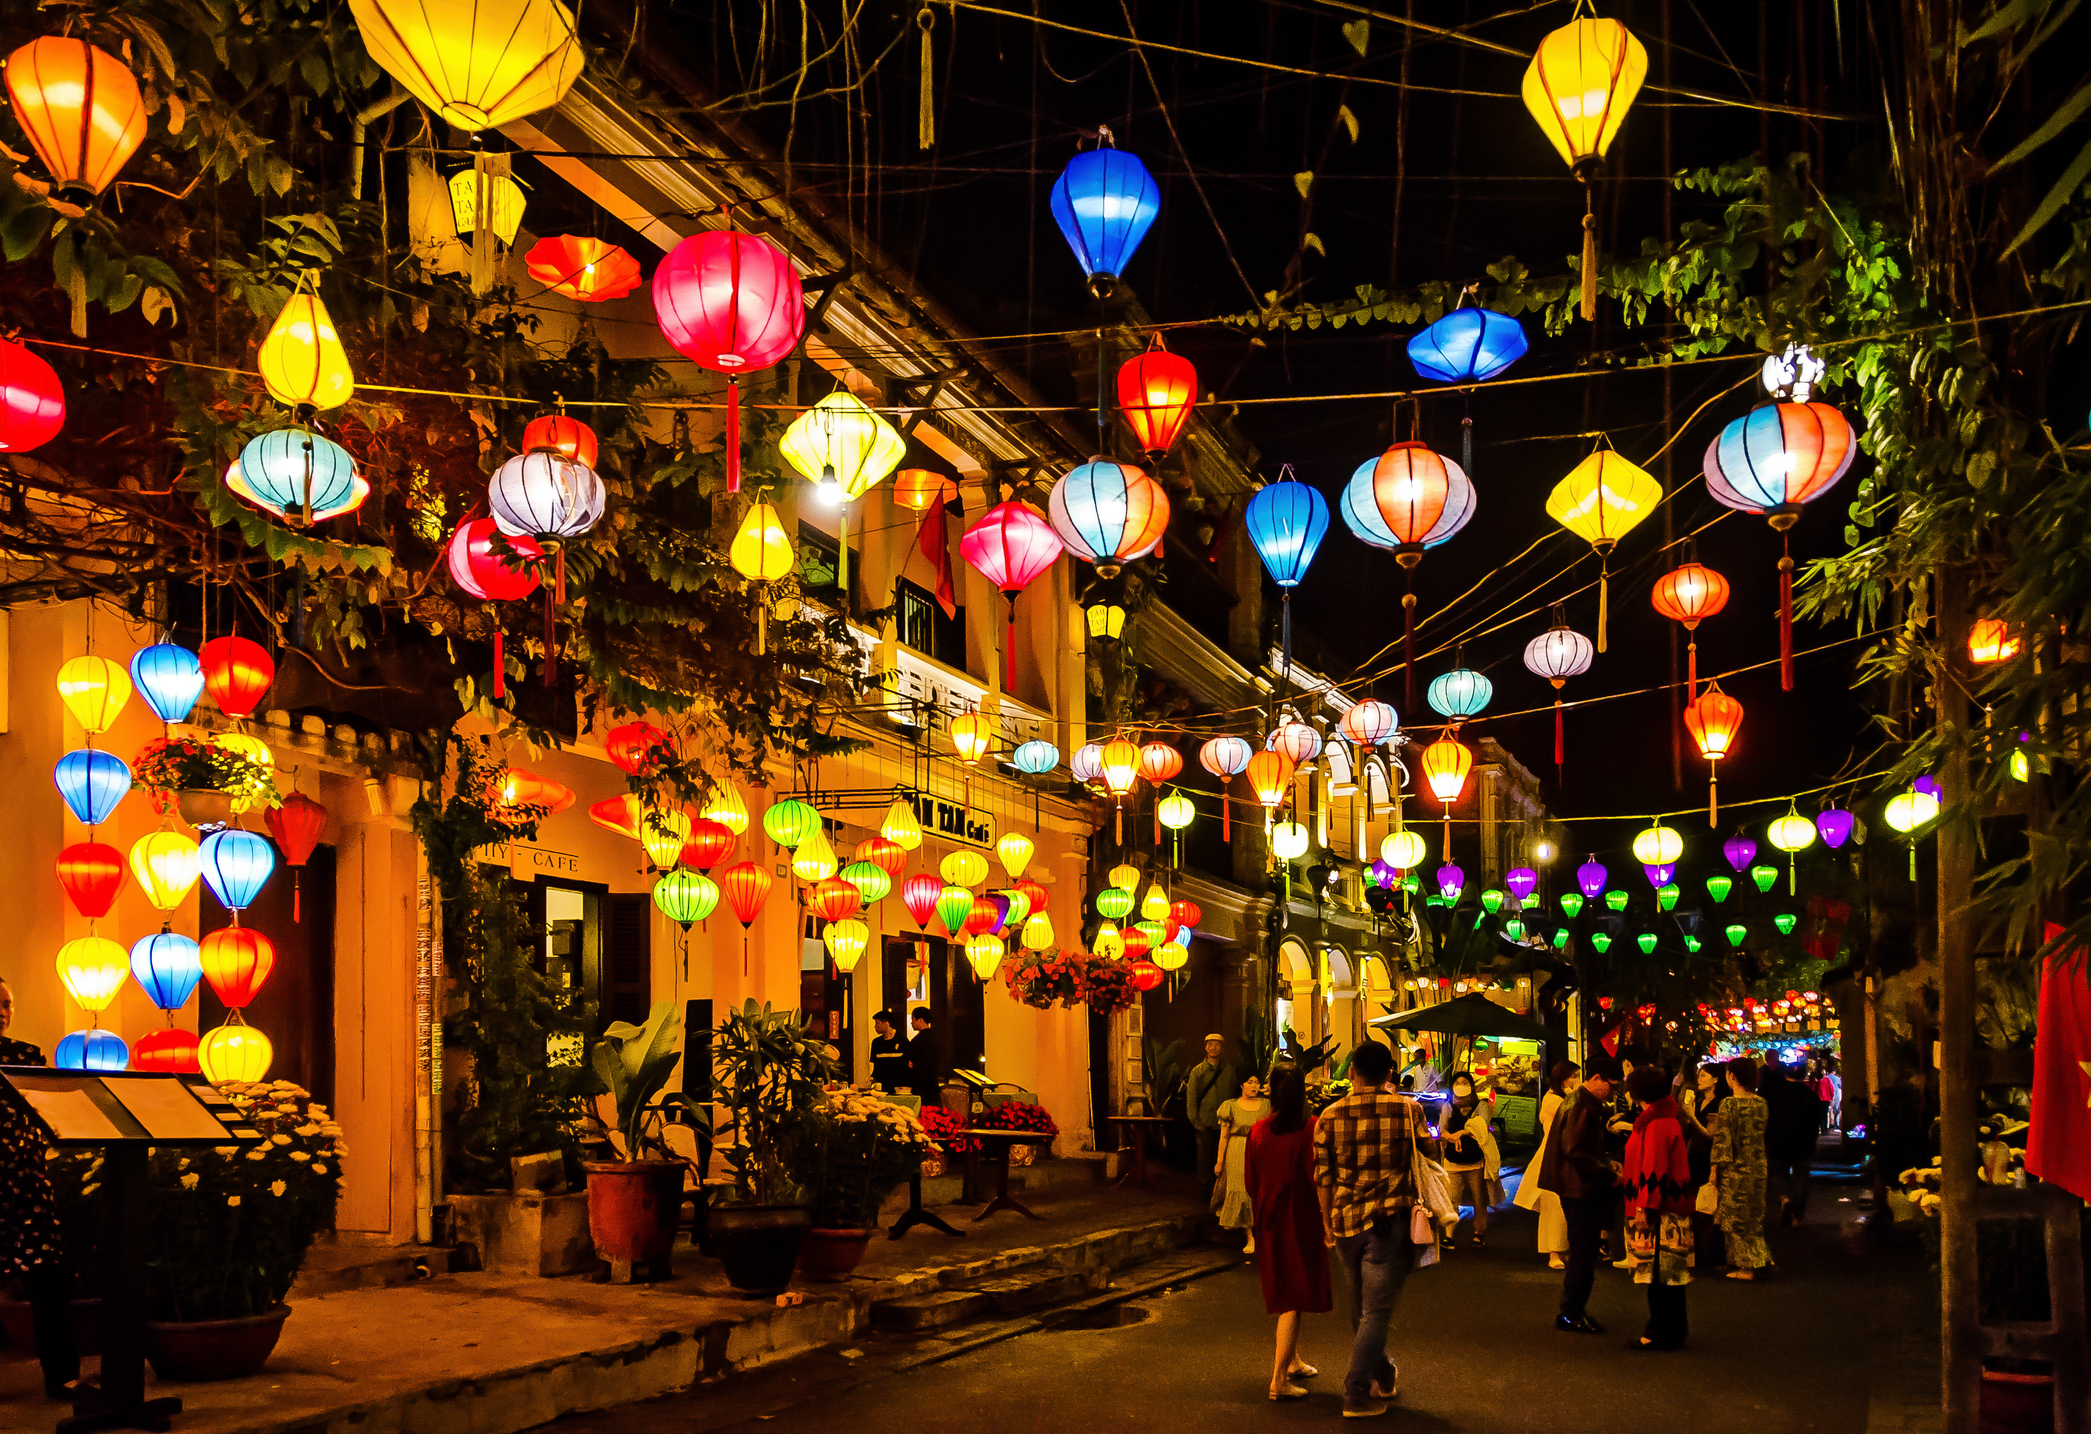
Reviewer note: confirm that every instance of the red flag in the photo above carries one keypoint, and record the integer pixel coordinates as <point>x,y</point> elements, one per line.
<point>2058,1147</point>
<point>934,540</point>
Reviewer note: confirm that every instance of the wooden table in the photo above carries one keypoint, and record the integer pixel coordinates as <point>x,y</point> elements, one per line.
<point>1137,1126</point>
<point>915,1215</point>
<point>997,1144</point>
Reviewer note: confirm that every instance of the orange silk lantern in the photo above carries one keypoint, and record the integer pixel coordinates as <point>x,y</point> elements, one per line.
<point>297,826</point>
<point>1990,640</point>
<point>522,797</point>
<point>1713,720</point>
<point>1160,762</point>
<point>746,886</point>
<point>1446,763</point>
<point>982,917</point>
<point>1156,392</point>
<point>1270,777</point>
<point>1690,594</point>
<point>636,746</point>
<point>887,856</point>
<point>81,109</point>
<point>617,814</point>
<point>91,873</point>
<point>922,490</point>
<point>1137,942</point>
<point>582,268</point>
<point>570,438</point>
<point>237,961</point>
<point>709,844</point>
<point>1121,768</point>
<point>834,899</point>
<point>1033,893</point>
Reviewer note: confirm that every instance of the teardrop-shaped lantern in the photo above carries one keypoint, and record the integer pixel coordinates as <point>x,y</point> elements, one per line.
<point>80,107</point>
<point>1105,201</point>
<point>302,361</point>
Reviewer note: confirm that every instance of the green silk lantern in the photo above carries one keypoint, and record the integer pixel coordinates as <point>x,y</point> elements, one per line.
<point>1719,885</point>
<point>1561,938</point>
<point>1692,944</point>
<point>1571,904</point>
<point>1737,933</point>
<point>686,896</point>
<point>1785,921</point>
<point>1601,941</point>
<point>1616,900</point>
<point>1114,903</point>
<point>1019,908</point>
<point>1666,897</point>
<point>1647,942</point>
<point>789,822</point>
<point>1766,876</point>
<point>1514,929</point>
<point>1492,900</point>
<point>870,879</point>
<point>953,907</point>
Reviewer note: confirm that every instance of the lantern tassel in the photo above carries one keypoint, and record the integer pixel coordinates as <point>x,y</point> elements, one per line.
<point>926,112</point>
<point>1785,617</point>
<point>1604,607</point>
<point>500,683</point>
<point>1713,794</point>
<point>1009,648</point>
<point>842,553</point>
<point>1408,639</point>
<point>1466,444</point>
<point>733,435</point>
<point>1285,628</point>
<point>1226,818</point>
<point>297,904</point>
<point>1557,735</point>
<point>762,618</point>
<point>551,643</point>
<point>1589,295</point>
<point>1691,670</point>
<point>1120,823</point>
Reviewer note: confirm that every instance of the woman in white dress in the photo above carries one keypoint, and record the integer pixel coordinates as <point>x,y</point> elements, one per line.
<point>1561,1085</point>
<point>1230,1194</point>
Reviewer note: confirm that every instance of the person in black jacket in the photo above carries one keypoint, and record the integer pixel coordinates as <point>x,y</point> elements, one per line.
<point>1579,1170</point>
<point>1792,1118</point>
<point>890,1069</point>
<point>922,1056</point>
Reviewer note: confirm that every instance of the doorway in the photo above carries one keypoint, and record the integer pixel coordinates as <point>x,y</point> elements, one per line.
<point>596,945</point>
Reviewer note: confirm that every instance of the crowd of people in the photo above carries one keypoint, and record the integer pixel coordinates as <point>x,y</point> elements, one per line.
<point>1669,1172</point>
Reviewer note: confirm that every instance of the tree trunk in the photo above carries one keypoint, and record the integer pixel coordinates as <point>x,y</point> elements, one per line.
<point>1960,1300</point>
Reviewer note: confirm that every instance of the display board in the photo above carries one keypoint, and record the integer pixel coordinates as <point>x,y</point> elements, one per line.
<point>108,1107</point>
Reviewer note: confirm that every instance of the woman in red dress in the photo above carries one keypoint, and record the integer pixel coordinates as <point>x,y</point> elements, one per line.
<point>1292,1256</point>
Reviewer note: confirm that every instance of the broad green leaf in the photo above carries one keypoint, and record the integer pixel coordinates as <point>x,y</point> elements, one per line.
<point>2065,114</point>
<point>2065,188</point>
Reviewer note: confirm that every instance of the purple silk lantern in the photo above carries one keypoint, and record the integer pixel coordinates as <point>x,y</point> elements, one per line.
<point>1740,851</point>
<point>1383,875</point>
<point>1659,876</point>
<point>1590,876</point>
<point>1522,881</point>
<point>1929,787</point>
<point>1834,823</point>
<point>1451,881</point>
<point>1001,905</point>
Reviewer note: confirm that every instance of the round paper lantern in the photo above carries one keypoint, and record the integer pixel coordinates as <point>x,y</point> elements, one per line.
<point>486,574</point>
<point>169,678</point>
<point>1104,202</point>
<point>964,867</point>
<point>636,747</point>
<point>729,302</point>
<point>234,1051</point>
<point>236,865</point>
<point>1160,762</point>
<point>1690,593</point>
<point>1175,811</point>
<point>1156,392</point>
<point>1459,694</point>
<point>295,473</point>
<point>1600,501</point>
<point>1108,513</point>
<point>1019,906</point>
<point>617,814</point>
<point>579,267</point>
<point>91,782</point>
<point>93,969</point>
<point>1270,777</point>
<point>746,886</point>
<point>544,496</point>
<point>1036,757</point>
<point>1402,850</point>
<point>846,941</point>
<point>1146,975</point>
<point>1034,895</point>
<point>167,966</point>
<point>1713,720</point>
<point>236,673</point>
<point>709,844</point>
<point>80,108</point>
<point>871,881</point>
<point>1558,654</point>
<point>843,447</point>
<point>1121,766</point>
<point>971,736</point>
<point>297,824</point>
<point>301,360</point>
<point>166,864</point>
<point>1719,885</point>
<point>984,953</point>
<point>901,826</point>
<point>1369,723</point>
<point>1522,881</point>
<point>171,1049</point>
<point>1990,640</point>
<point>1114,902</point>
<point>1010,546</point>
<point>1170,956</point>
<point>1468,346</point>
<point>725,807</point>
<point>1226,756</point>
<point>919,894</point>
<point>237,961</point>
<point>790,822</point>
<point>1288,840</point>
<point>479,66</point>
<point>1109,943</point>
<point>1658,846</point>
<point>91,873</point>
<point>922,489</point>
<point>1037,934</point>
<point>1087,764</point>
<point>1296,740</point>
<point>1793,832</point>
<point>833,899</point>
<point>570,438</point>
<point>32,401</point>
<point>663,832</point>
<point>1659,874</point>
<point>954,908</point>
<point>1451,881</point>
<point>1407,499</point>
<point>91,1050</point>
<point>888,856</point>
<point>94,689</point>
<point>1286,521</point>
<point>1014,850</point>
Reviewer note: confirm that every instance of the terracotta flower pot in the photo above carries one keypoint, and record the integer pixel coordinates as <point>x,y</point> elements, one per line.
<point>633,1208</point>
<point>829,1255</point>
<point>20,1328</point>
<point>758,1245</point>
<point>213,1348</point>
<point>204,808</point>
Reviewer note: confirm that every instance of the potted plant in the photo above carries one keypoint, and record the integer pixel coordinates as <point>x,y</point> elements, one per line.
<point>203,779</point>
<point>1025,1115</point>
<point>75,1175</point>
<point>229,1230</point>
<point>849,1153</point>
<point>635,1204</point>
<point>769,1072</point>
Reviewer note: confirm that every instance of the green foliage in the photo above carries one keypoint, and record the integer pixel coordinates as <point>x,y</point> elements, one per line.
<point>850,1152</point>
<point>1162,1068</point>
<point>633,1063</point>
<point>769,1070</point>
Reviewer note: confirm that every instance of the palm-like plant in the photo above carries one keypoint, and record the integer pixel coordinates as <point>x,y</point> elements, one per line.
<point>769,1072</point>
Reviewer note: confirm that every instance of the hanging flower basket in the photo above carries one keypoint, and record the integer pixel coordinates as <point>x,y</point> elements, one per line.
<point>203,779</point>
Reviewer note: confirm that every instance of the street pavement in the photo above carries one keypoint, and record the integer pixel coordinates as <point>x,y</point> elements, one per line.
<point>1841,1341</point>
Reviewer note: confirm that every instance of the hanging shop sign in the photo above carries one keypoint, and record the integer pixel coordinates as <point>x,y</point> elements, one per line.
<point>953,821</point>
<point>528,862</point>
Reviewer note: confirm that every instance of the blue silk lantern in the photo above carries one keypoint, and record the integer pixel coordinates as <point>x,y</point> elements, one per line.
<point>1468,346</point>
<point>1590,877</point>
<point>236,865</point>
<point>169,678</point>
<point>167,966</point>
<point>92,782</point>
<point>1036,757</point>
<point>1459,694</point>
<point>1104,202</point>
<point>92,1050</point>
<point>291,469</point>
<point>1287,521</point>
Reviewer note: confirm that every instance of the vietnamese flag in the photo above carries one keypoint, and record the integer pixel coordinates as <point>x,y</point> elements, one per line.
<point>933,540</point>
<point>2058,1148</point>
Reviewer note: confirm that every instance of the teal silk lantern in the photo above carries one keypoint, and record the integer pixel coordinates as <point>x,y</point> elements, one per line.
<point>1036,757</point>
<point>294,470</point>
<point>236,865</point>
<point>169,678</point>
<point>1459,694</point>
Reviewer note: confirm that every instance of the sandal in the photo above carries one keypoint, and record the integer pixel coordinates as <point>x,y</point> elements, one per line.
<point>1302,1370</point>
<point>1288,1391</point>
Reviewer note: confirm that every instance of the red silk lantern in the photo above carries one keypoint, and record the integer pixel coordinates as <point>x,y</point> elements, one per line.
<point>1185,912</point>
<point>1689,594</point>
<point>732,303</point>
<point>32,402</point>
<point>834,899</point>
<point>297,826</point>
<point>1146,975</point>
<point>172,1049</point>
<point>710,843</point>
<point>1137,942</point>
<point>888,856</point>
<point>236,673</point>
<point>919,894</point>
<point>636,746</point>
<point>1156,392</point>
<point>1010,546</point>
<point>981,918</point>
<point>617,814</point>
<point>570,438</point>
<point>494,577</point>
<point>237,961</point>
<point>590,270</point>
<point>91,873</point>
<point>1033,893</point>
<point>518,789</point>
<point>747,886</point>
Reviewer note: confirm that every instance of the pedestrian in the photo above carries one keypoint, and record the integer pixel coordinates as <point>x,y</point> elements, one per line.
<point>925,1071</point>
<point>1471,1157</point>
<point>13,1052</point>
<point>1577,1168</point>
<point>1230,1192</point>
<point>1209,1084</point>
<point>1562,1082</point>
<point>1366,1146</point>
<point>1699,1113</point>
<point>1793,1119</point>
<point>1278,1164</point>
<point>1659,1208</point>
<point>890,1070</point>
<point>32,1246</point>
<point>1831,1089</point>
<point>1739,1172</point>
<point>1618,1127</point>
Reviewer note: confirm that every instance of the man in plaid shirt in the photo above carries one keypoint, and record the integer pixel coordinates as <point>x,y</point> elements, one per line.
<point>1364,1153</point>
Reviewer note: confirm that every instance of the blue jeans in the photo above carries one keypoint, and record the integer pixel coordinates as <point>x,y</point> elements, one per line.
<point>1377,1264</point>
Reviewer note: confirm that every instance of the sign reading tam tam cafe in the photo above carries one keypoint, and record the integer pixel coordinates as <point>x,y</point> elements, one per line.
<point>953,821</point>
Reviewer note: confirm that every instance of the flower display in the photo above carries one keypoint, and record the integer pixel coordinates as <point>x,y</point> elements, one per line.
<point>850,1151</point>
<point>1018,1115</point>
<point>1069,978</point>
<point>188,764</point>
<point>943,1126</point>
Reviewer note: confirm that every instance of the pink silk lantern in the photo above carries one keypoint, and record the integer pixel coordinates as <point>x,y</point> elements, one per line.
<point>1010,546</point>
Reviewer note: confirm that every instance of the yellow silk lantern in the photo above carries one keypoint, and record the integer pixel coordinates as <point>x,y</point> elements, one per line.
<point>1125,876</point>
<point>301,358</point>
<point>761,550</point>
<point>1402,850</point>
<point>1169,956</point>
<point>1014,850</point>
<point>480,199</point>
<point>1175,811</point>
<point>1019,907</point>
<point>814,860</point>
<point>901,826</point>
<point>1155,905</point>
<point>1038,932</point>
<point>1581,81</point>
<point>166,864</point>
<point>846,941</point>
<point>93,969</point>
<point>234,1051</point>
<point>478,65</point>
<point>964,868</point>
<point>1658,846</point>
<point>664,833</point>
<point>984,953</point>
<point>726,807</point>
<point>972,735</point>
<point>94,690</point>
<point>1600,500</point>
<point>843,447</point>
<point>1288,840</point>
<point>81,109</point>
<point>1108,944</point>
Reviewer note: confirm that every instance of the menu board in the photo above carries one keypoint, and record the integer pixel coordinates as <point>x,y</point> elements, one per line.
<point>168,1109</point>
<point>151,1108</point>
